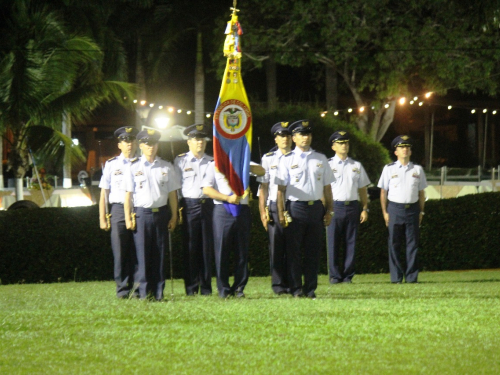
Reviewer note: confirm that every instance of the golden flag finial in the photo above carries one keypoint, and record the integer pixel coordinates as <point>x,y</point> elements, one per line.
<point>234,7</point>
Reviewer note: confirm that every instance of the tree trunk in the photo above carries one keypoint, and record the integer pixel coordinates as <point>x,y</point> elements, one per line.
<point>272,99</point>
<point>140,80</point>
<point>332,95</point>
<point>2,184</point>
<point>199,85</point>
<point>66,130</point>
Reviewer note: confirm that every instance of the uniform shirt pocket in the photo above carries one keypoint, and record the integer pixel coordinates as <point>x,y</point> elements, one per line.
<point>295,177</point>
<point>118,182</point>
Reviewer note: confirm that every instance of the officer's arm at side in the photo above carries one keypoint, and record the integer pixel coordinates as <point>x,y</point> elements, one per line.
<point>280,203</point>
<point>383,204</point>
<point>127,208</point>
<point>173,203</point>
<point>263,193</point>
<point>102,208</point>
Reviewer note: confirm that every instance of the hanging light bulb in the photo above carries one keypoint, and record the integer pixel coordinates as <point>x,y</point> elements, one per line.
<point>485,110</point>
<point>188,112</point>
<point>428,95</point>
<point>415,98</point>
<point>421,104</point>
<point>402,100</point>
<point>494,112</point>
<point>411,102</point>
<point>361,109</point>
<point>336,113</point>
<point>473,111</point>
<point>208,115</point>
<point>179,111</point>
<point>143,102</point>
<point>386,105</point>
<point>349,110</point>
<point>135,101</point>
<point>450,107</point>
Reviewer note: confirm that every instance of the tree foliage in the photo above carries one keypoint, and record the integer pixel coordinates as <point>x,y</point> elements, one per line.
<point>383,49</point>
<point>46,72</point>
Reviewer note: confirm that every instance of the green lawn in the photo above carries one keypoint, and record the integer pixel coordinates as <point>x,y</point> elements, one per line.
<point>448,323</point>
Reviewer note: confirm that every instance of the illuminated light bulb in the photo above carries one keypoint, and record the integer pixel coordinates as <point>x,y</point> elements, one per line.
<point>387,105</point>
<point>135,101</point>
<point>485,110</point>
<point>361,109</point>
<point>179,111</point>
<point>162,122</point>
<point>188,112</point>
<point>323,114</point>
<point>208,115</point>
<point>152,105</point>
<point>415,98</point>
<point>336,113</point>
<point>450,107</point>
<point>349,110</point>
<point>170,109</point>
<point>411,102</point>
<point>428,95</point>
<point>494,112</point>
<point>143,102</point>
<point>402,100</point>
<point>373,107</point>
<point>421,104</point>
<point>473,111</point>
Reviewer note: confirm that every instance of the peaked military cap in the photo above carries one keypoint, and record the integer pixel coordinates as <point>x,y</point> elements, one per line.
<point>340,137</point>
<point>301,126</point>
<point>402,141</point>
<point>148,136</point>
<point>196,131</point>
<point>280,128</point>
<point>126,133</point>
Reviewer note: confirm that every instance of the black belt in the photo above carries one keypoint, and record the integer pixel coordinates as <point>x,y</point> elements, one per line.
<point>309,203</point>
<point>117,204</point>
<point>344,203</point>
<point>156,209</point>
<point>196,200</point>
<point>403,205</point>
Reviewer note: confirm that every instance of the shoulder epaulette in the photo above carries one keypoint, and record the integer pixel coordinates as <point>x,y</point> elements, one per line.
<point>269,153</point>
<point>113,158</point>
<point>181,155</point>
<point>288,153</point>
<point>391,163</point>
<point>134,160</point>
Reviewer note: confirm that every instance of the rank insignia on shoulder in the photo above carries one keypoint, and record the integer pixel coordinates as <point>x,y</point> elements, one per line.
<point>164,173</point>
<point>118,172</point>
<point>269,154</point>
<point>288,153</point>
<point>138,173</point>
<point>181,155</point>
<point>188,170</point>
<point>334,170</point>
<point>319,165</point>
<point>134,160</point>
<point>294,166</point>
<point>113,158</point>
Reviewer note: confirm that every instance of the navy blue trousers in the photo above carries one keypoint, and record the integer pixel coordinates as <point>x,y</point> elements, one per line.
<point>403,224</point>
<point>198,242</point>
<point>304,232</point>
<point>122,244</point>
<point>231,235</point>
<point>344,226</point>
<point>151,243</point>
<point>277,252</point>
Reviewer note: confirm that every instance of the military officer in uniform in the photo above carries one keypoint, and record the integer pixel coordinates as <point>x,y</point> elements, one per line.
<point>268,192</point>
<point>303,179</point>
<point>151,184</point>
<point>350,182</point>
<point>112,186</point>
<point>402,198</point>
<point>196,212</point>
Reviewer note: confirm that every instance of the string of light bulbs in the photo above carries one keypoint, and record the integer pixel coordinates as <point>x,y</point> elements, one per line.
<point>417,100</point>
<point>170,109</point>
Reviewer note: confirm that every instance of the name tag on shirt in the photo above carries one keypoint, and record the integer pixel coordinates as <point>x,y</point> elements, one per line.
<point>188,170</point>
<point>294,166</point>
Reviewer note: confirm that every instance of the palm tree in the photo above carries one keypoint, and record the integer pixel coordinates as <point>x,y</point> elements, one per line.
<point>46,75</point>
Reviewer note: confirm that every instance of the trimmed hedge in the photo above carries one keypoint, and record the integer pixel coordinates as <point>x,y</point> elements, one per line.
<point>66,244</point>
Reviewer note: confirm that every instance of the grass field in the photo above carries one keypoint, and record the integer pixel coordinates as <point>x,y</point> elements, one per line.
<point>448,323</point>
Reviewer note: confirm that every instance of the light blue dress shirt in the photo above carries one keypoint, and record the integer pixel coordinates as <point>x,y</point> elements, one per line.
<point>402,182</point>
<point>349,177</point>
<point>114,178</point>
<point>151,183</point>
<point>304,174</point>
<point>191,171</point>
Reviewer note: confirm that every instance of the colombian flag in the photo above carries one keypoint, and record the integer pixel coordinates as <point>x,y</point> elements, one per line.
<point>233,120</point>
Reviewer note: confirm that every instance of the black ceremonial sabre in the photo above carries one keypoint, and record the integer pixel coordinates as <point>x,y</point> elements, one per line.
<point>170,240</point>
<point>106,206</point>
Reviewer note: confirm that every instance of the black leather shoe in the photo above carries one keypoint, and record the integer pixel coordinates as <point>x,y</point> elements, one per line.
<point>298,294</point>
<point>335,281</point>
<point>240,295</point>
<point>311,295</point>
<point>396,282</point>
<point>347,281</point>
